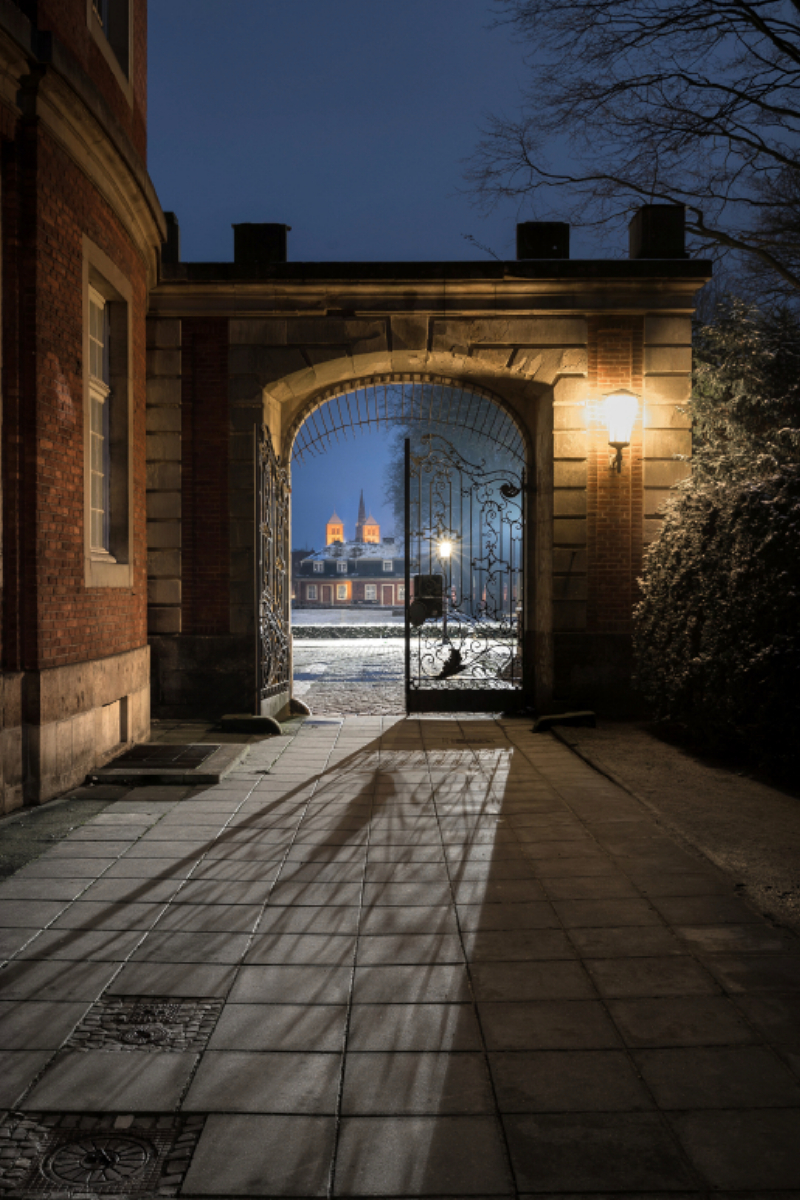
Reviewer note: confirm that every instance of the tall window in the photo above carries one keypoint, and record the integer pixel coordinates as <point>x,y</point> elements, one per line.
<point>107,421</point>
<point>110,23</point>
<point>99,432</point>
<point>319,568</point>
<point>371,591</point>
<point>311,591</point>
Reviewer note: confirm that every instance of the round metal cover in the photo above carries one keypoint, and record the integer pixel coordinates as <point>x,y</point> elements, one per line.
<point>98,1161</point>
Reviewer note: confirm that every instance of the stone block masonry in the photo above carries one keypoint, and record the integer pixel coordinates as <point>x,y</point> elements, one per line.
<point>164,524</point>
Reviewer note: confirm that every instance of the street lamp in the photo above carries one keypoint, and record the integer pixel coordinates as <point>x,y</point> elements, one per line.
<point>620,409</point>
<point>445,548</point>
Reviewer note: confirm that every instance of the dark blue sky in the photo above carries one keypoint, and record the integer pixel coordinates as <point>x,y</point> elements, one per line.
<point>347,119</point>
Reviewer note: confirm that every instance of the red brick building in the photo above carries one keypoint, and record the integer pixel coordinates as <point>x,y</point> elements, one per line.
<point>81,232</point>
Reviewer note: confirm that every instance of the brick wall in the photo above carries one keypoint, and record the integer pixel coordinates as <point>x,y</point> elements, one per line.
<point>614,501</point>
<point>67,21</point>
<point>59,620</point>
<point>204,466</point>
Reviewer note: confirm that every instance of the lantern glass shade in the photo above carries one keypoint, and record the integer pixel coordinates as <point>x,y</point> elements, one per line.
<point>619,410</point>
<point>445,548</point>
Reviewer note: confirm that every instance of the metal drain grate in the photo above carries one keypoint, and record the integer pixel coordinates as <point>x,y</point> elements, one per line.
<point>146,1023</point>
<point>61,1156</point>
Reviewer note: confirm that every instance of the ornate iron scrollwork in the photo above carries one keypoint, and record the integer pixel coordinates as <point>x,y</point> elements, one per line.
<point>465,529</point>
<point>273,572</point>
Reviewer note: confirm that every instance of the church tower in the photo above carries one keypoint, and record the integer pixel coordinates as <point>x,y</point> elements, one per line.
<point>334,530</point>
<point>367,528</point>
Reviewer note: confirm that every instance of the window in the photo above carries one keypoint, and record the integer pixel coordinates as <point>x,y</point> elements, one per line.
<point>387,564</point>
<point>371,591</point>
<point>99,434</point>
<point>341,568</point>
<point>311,591</point>
<point>319,568</point>
<point>401,591</point>
<point>341,591</point>
<point>107,415</point>
<point>110,25</point>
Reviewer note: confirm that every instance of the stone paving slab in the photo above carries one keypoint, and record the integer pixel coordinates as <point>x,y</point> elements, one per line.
<point>444,958</point>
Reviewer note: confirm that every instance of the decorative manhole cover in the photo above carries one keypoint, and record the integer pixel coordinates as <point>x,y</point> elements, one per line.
<point>146,1023</point>
<point>102,1162</point>
<point>58,1156</point>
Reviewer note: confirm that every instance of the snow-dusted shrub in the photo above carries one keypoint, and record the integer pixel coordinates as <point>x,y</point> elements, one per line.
<point>717,637</point>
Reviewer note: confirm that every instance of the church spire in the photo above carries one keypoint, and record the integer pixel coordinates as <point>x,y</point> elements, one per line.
<point>362,516</point>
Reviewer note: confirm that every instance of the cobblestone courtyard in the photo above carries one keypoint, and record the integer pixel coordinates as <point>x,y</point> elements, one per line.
<point>361,676</point>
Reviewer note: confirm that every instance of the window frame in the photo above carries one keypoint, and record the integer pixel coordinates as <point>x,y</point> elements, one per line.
<point>341,568</point>
<point>388,566</point>
<point>341,591</point>
<point>373,588</point>
<point>318,568</point>
<point>111,567</point>
<point>119,57</point>
<point>311,591</point>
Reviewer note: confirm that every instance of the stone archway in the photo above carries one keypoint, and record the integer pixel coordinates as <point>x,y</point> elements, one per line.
<point>523,408</point>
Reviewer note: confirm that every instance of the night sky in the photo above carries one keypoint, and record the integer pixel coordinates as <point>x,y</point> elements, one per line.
<point>348,120</point>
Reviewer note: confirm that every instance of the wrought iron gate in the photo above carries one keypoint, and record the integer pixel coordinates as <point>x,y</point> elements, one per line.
<point>273,572</point>
<point>464,546</point>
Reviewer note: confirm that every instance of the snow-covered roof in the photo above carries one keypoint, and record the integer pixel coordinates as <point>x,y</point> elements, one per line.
<point>385,549</point>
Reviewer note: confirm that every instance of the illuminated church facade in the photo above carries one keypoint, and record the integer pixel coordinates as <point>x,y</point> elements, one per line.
<point>366,571</point>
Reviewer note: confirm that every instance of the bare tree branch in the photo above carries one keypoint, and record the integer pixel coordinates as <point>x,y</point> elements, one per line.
<point>657,100</point>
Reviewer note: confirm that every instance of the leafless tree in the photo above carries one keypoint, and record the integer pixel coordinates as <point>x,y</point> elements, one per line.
<point>688,101</point>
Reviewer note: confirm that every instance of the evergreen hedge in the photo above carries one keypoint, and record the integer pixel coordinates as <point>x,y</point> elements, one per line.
<point>717,631</point>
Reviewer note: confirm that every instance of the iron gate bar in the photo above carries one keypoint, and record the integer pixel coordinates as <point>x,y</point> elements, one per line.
<point>272,574</point>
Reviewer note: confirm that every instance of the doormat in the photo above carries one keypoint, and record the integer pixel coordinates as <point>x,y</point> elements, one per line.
<point>161,762</point>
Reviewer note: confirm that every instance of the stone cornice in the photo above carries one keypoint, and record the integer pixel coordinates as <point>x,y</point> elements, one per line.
<point>440,289</point>
<point>39,78</point>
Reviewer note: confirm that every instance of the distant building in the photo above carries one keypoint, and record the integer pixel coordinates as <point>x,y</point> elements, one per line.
<point>369,570</point>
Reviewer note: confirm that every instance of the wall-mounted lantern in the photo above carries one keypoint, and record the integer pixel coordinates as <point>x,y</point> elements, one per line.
<point>620,409</point>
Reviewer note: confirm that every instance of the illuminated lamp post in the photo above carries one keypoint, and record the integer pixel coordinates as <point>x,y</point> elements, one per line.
<point>619,410</point>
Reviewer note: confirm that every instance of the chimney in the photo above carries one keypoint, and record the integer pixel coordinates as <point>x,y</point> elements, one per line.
<point>657,231</point>
<point>171,248</point>
<point>543,239</point>
<point>259,245</point>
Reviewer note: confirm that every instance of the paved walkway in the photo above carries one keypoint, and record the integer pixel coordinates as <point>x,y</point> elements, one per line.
<point>397,958</point>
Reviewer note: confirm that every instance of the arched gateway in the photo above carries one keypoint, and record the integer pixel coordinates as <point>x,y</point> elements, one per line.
<point>260,349</point>
<point>463,532</point>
